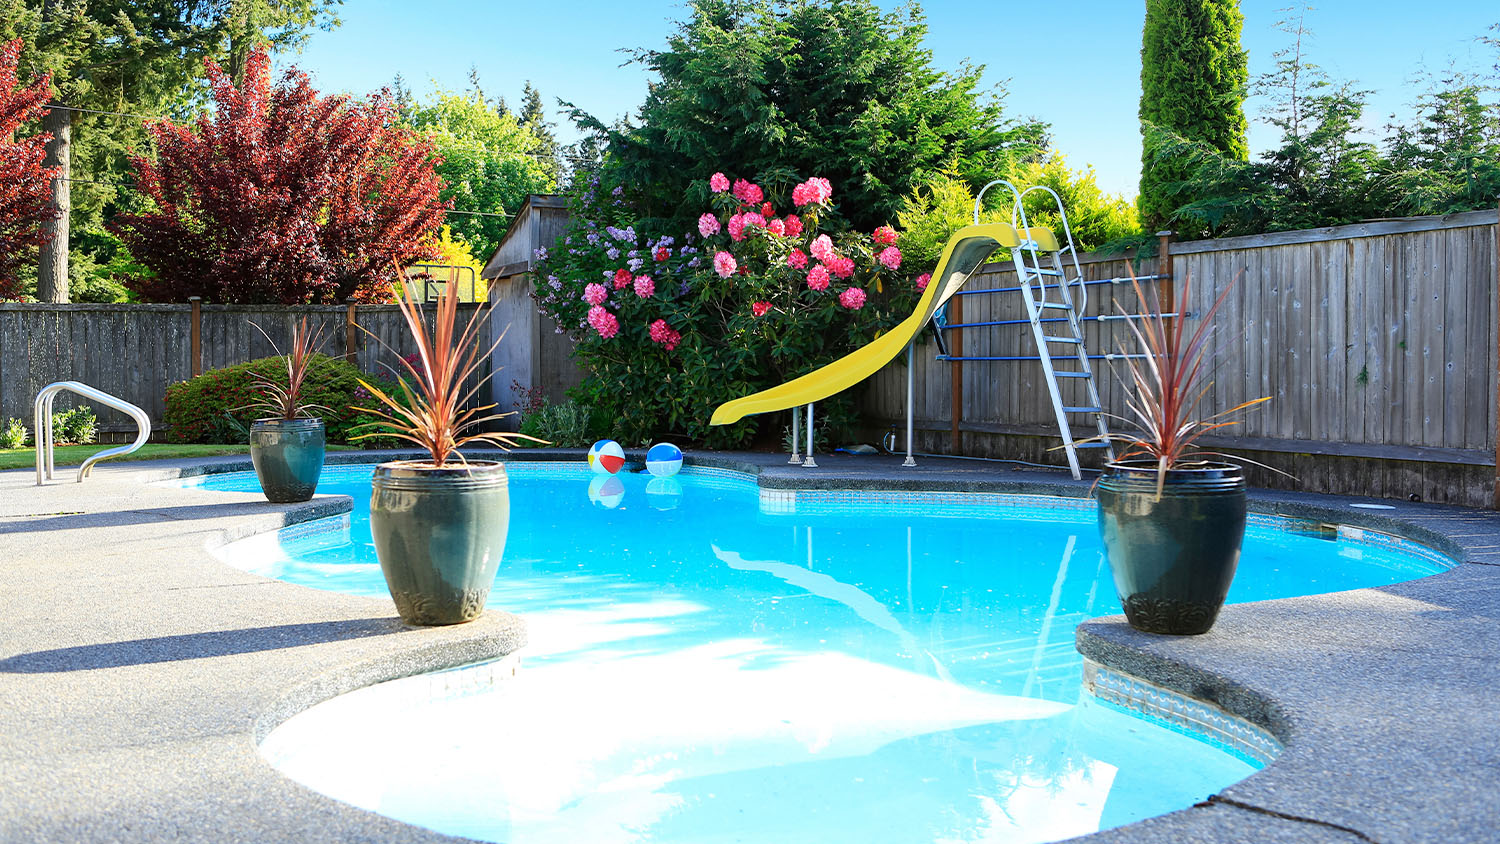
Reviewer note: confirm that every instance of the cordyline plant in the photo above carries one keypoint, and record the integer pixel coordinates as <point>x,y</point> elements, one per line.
<point>433,415</point>
<point>1167,386</point>
<point>25,185</point>
<point>286,402</point>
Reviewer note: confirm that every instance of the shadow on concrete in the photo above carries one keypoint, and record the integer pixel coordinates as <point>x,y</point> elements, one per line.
<point>197,646</point>
<point>122,518</point>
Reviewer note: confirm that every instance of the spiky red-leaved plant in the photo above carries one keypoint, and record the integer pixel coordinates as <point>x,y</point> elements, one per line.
<point>1167,384</point>
<point>432,411</point>
<point>286,402</point>
<point>282,196</point>
<point>25,185</point>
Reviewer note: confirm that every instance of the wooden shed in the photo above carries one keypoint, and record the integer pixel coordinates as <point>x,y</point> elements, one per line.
<point>534,353</point>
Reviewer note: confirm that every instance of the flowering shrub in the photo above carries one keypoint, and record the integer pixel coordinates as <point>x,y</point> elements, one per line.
<point>764,289</point>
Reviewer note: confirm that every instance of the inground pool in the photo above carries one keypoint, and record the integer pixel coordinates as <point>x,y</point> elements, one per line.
<point>712,662</point>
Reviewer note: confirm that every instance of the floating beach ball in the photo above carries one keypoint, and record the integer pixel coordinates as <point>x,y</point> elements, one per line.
<point>664,460</point>
<point>664,493</point>
<point>606,457</point>
<point>607,492</point>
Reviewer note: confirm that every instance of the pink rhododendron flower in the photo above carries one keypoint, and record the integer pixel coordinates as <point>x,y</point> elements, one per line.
<point>841,267</point>
<point>922,281</point>
<point>890,258</point>
<point>793,225</point>
<point>817,278</point>
<point>760,309</point>
<point>776,227</point>
<point>797,259</point>
<point>645,287</point>
<point>708,225</point>
<point>737,227</point>
<point>724,264</point>
<point>663,254</point>
<point>595,294</point>
<point>748,193</point>
<point>814,191</point>
<point>623,278</point>
<point>665,334</point>
<point>885,235</point>
<point>603,322</point>
<point>822,248</point>
<point>853,298</point>
<point>718,183</point>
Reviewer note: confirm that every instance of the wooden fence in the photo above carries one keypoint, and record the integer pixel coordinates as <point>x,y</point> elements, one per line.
<point>1376,342</point>
<point>136,351</point>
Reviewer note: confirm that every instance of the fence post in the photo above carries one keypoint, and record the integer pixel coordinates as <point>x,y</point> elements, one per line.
<point>195,334</point>
<point>1167,281</point>
<point>1496,316</point>
<point>351,338</point>
<point>956,370</point>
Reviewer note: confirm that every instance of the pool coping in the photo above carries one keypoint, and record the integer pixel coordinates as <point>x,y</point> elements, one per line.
<point>1359,758</point>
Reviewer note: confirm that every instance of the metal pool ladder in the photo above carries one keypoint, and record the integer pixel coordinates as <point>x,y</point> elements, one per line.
<point>42,427</point>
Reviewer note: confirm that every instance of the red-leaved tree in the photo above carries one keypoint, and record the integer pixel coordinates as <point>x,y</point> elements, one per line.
<point>25,185</point>
<point>282,196</point>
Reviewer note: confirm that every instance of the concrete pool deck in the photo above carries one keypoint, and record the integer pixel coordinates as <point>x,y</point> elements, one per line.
<point>137,672</point>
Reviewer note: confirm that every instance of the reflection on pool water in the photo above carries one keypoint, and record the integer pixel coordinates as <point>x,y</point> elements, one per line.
<point>713,664</point>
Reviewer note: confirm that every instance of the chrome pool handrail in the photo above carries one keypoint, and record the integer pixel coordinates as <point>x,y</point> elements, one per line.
<point>42,427</point>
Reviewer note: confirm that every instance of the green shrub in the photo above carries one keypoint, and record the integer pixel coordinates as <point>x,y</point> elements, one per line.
<point>564,425</point>
<point>14,434</point>
<point>78,426</point>
<point>215,406</point>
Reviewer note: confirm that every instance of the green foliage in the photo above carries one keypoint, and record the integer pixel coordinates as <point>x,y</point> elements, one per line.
<point>1323,174</point>
<point>781,90</point>
<point>932,213</point>
<point>1193,75</point>
<point>14,434</point>
<point>565,425</point>
<point>78,426</point>
<point>215,407</point>
<point>490,163</point>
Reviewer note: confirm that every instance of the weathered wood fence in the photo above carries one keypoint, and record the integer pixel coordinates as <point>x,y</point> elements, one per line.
<point>136,351</point>
<point>1377,343</point>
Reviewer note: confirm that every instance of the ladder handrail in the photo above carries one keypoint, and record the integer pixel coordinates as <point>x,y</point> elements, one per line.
<point>42,427</point>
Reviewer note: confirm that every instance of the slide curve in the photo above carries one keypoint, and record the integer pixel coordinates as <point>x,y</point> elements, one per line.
<point>964,253</point>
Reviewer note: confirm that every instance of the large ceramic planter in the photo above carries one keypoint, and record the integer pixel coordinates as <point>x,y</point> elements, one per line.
<point>439,534</point>
<point>288,457</point>
<point>1173,555</point>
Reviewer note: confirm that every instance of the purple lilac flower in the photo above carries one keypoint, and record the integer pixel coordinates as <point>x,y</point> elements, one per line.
<point>593,239</point>
<point>682,289</point>
<point>613,253</point>
<point>619,189</point>
<point>695,262</point>
<point>635,264</point>
<point>554,283</point>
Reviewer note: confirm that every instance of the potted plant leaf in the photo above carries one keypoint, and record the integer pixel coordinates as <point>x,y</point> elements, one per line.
<point>439,522</point>
<point>1172,516</point>
<point>287,446</point>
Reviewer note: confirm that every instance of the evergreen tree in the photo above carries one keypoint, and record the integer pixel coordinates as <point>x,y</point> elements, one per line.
<point>534,117</point>
<point>781,90</point>
<point>1193,75</point>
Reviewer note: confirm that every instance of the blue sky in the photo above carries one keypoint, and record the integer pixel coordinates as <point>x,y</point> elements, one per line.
<point>1085,81</point>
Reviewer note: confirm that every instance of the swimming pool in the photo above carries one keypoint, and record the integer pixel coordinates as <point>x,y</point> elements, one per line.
<point>714,662</point>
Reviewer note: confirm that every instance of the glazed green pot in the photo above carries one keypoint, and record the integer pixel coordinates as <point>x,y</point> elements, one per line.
<point>288,457</point>
<point>439,534</point>
<point>1173,556</point>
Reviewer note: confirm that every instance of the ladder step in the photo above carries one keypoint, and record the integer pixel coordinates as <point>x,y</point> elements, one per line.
<point>1074,340</point>
<point>1082,409</point>
<point>1046,272</point>
<point>1061,306</point>
<point>1061,373</point>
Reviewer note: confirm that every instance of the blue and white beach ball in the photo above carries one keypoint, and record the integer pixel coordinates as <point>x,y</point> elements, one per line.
<point>664,493</point>
<point>664,460</point>
<point>606,457</point>
<point>607,492</point>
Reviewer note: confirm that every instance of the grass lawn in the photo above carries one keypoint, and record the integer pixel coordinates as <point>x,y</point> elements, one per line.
<point>72,455</point>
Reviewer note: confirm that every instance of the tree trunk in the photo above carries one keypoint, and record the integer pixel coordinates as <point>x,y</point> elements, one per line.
<point>52,264</point>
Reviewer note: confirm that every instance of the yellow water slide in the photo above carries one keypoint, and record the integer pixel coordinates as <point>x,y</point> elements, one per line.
<point>965,253</point>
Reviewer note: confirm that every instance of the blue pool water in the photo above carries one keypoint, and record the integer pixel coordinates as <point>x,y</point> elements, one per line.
<point>710,663</point>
